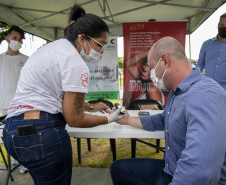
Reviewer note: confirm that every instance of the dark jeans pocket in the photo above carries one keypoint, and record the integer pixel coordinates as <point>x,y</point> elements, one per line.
<point>28,148</point>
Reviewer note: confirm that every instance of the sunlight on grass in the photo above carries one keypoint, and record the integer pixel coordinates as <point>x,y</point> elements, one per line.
<point>100,155</point>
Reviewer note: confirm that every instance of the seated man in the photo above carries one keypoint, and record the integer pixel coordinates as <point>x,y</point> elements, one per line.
<point>194,124</point>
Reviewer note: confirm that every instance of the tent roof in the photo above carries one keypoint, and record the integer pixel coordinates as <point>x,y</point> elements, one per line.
<point>48,18</point>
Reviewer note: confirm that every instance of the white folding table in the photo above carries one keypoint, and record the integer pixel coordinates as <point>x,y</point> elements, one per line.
<point>114,131</point>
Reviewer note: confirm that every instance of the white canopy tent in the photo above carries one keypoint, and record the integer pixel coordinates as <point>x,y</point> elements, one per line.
<point>48,18</point>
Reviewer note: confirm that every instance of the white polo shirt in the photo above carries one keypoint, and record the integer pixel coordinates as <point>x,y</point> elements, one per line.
<point>10,67</point>
<point>52,70</point>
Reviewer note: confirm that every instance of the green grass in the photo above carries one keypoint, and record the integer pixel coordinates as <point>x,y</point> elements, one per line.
<point>120,81</point>
<point>100,155</point>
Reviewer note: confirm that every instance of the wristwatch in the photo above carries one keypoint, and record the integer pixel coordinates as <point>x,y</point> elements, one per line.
<point>91,107</point>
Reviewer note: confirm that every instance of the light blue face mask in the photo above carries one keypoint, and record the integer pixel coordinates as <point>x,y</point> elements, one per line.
<point>158,82</point>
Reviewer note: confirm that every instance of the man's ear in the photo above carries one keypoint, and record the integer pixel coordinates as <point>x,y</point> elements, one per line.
<point>7,39</point>
<point>166,59</point>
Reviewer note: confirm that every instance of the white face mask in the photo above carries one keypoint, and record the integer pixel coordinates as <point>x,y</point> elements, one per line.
<point>158,82</point>
<point>94,57</point>
<point>14,45</point>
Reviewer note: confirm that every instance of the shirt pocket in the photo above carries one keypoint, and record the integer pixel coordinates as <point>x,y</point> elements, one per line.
<point>28,148</point>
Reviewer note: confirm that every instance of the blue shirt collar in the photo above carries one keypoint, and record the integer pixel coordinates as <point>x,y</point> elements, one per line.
<point>215,39</point>
<point>192,78</point>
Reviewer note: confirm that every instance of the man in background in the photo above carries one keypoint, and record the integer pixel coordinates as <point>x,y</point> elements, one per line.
<point>11,64</point>
<point>212,55</point>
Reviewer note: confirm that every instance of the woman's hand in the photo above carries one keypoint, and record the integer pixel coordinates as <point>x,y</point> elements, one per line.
<point>127,119</point>
<point>124,120</point>
<point>102,107</point>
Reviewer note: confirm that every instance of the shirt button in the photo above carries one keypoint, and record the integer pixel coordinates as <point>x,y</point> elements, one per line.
<point>167,164</point>
<point>168,147</point>
<point>168,112</point>
<point>166,130</point>
<point>218,58</point>
<point>215,74</point>
<point>216,66</point>
<point>220,50</point>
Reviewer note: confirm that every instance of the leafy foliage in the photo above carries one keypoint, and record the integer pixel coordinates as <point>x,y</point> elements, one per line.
<point>120,63</point>
<point>3,31</point>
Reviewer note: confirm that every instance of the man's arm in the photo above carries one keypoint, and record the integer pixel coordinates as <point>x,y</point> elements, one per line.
<point>202,160</point>
<point>201,60</point>
<point>131,63</point>
<point>153,92</point>
<point>151,123</point>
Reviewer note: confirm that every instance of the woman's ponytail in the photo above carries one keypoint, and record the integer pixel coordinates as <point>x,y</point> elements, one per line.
<point>82,23</point>
<point>75,13</point>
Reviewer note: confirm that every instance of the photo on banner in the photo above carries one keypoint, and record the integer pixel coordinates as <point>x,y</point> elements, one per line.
<point>103,78</point>
<point>139,37</point>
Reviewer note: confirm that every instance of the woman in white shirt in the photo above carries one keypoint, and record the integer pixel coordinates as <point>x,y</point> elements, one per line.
<point>50,93</point>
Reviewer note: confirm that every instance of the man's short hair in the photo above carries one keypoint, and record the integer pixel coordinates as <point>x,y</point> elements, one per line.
<point>17,29</point>
<point>223,16</point>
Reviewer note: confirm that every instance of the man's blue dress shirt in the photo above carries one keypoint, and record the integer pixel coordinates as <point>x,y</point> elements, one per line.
<point>212,58</point>
<point>194,121</point>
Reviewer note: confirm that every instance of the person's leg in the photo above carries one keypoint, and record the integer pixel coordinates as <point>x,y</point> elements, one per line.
<point>34,178</point>
<point>165,179</point>
<point>23,169</point>
<point>14,161</point>
<point>136,171</point>
<point>56,167</point>
<point>47,154</point>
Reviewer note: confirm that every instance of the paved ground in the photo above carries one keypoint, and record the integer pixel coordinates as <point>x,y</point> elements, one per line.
<point>80,176</point>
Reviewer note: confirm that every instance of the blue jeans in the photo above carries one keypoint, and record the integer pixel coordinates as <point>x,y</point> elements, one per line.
<point>47,154</point>
<point>139,172</point>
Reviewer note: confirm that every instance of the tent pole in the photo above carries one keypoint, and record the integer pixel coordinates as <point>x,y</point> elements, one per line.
<point>190,48</point>
<point>189,38</point>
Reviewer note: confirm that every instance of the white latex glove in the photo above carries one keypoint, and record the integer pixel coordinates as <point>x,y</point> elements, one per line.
<point>115,116</point>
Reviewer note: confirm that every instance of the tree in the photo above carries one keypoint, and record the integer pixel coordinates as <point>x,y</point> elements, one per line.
<point>120,63</point>
<point>3,31</point>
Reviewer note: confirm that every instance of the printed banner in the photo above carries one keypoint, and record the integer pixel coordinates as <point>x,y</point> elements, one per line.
<point>138,39</point>
<point>103,79</point>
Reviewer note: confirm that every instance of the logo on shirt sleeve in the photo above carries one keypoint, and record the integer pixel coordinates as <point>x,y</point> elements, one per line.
<point>85,79</point>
